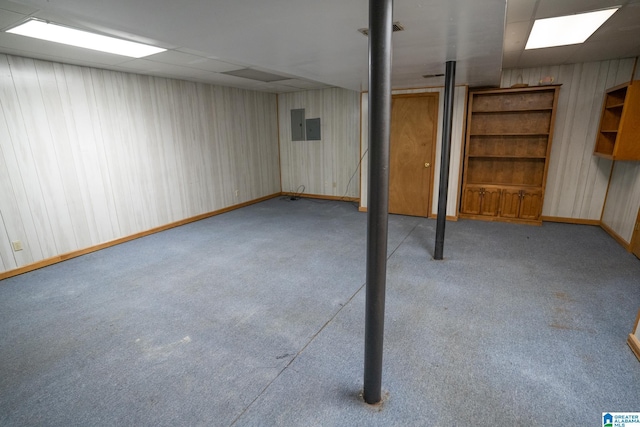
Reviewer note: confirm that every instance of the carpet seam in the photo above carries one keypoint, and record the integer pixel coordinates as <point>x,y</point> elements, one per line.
<point>317,333</point>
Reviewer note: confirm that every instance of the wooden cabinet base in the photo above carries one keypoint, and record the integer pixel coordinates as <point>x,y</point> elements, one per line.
<point>634,337</point>
<point>634,343</point>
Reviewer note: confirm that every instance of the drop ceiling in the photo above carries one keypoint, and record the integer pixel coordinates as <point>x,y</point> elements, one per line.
<point>316,44</point>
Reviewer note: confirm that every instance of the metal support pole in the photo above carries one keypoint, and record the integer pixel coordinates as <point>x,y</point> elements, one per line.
<point>447,124</point>
<point>380,28</point>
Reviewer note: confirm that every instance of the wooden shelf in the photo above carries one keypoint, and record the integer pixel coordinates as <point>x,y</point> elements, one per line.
<point>505,156</point>
<point>619,129</point>
<point>514,111</point>
<point>508,143</point>
<point>510,134</point>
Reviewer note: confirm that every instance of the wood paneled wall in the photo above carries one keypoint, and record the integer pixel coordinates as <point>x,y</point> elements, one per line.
<point>457,146</point>
<point>88,156</point>
<point>577,181</point>
<point>623,200</point>
<point>323,167</point>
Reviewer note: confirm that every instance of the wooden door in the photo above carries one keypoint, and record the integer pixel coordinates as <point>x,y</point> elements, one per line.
<point>531,204</point>
<point>490,201</point>
<point>510,204</point>
<point>635,239</point>
<point>413,135</point>
<point>471,200</point>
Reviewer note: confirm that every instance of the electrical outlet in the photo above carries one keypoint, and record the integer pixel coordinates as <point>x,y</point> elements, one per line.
<point>236,193</point>
<point>17,245</point>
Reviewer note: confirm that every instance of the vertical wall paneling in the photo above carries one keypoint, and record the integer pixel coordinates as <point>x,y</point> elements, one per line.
<point>323,167</point>
<point>88,155</point>
<point>22,172</point>
<point>55,213</point>
<point>83,120</point>
<point>577,181</point>
<point>623,199</point>
<point>460,100</point>
<point>8,206</point>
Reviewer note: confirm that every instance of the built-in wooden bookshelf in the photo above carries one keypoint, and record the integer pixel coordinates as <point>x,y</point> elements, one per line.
<point>508,142</point>
<point>618,136</point>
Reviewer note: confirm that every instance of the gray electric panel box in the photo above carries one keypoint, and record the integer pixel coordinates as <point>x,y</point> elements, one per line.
<point>313,130</point>
<point>297,125</point>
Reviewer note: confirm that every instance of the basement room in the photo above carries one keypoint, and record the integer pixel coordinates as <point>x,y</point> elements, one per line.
<point>328,213</point>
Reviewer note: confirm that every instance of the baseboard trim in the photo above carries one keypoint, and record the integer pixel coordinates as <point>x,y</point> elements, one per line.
<point>634,343</point>
<point>320,196</point>
<point>570,220</point>
<point>616,236</point>
<point>74,254</point>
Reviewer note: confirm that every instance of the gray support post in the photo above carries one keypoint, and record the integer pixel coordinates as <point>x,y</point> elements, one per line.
<point>447,124</point>
<point>380,28</point>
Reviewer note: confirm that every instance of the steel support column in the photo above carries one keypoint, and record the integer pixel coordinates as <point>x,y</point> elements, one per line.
<point>380,29</point>
<point>447,124</point>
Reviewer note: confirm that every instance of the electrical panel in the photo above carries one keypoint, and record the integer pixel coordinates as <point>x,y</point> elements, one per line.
<point>313,130</point>
<point>297,125</point>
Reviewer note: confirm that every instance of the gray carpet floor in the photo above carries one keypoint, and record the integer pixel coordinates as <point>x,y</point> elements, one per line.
<point>256,318</point>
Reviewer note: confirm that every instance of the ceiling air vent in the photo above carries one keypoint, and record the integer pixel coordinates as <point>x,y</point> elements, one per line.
<point>396,27</point>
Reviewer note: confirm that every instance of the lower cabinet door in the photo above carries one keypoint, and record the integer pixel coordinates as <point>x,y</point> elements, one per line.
<point>471,200</point>
<point>490,202</point>
<point>510,207</point>
<point>531,204</point>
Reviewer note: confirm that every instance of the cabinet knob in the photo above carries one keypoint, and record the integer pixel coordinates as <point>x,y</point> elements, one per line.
<point>426,165</point>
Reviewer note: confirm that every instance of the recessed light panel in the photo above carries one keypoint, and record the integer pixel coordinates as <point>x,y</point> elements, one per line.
<point>70,36</point>
<point>566,30</point>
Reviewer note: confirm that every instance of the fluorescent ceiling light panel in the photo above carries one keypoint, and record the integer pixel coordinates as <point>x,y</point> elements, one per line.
<point>566,30</point>
<point>70,36</point>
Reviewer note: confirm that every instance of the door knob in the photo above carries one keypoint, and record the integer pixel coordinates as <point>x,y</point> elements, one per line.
<point>426,165</point>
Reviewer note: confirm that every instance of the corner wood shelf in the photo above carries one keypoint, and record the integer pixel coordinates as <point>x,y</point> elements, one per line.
<point>618,135</point>
<point>508,142</point>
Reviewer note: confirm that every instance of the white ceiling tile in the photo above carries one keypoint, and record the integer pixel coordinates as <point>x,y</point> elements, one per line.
<point>623,25</point>
<point>548,56</point>
<point>516,35</point>
<point>276,88</point>
<point>511,59</point>
<point>520,10</point>
<point>164,69</point>
<point>17,7</point>
<point>193,61</point>
<point>606,50</point>
<point>143,66</point>
<point>214,65</point>
<point>549,8</point>
<point>173,57</point>
<point>9,19</point>
<point>302,84</point>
